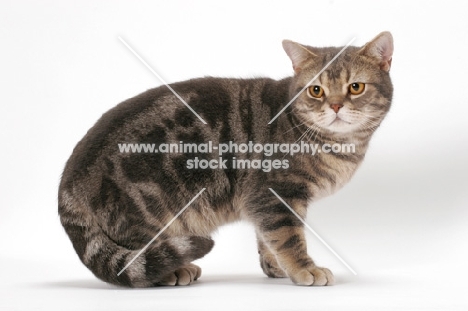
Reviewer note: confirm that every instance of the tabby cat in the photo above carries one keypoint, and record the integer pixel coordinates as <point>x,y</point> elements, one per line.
<point>112,203</point>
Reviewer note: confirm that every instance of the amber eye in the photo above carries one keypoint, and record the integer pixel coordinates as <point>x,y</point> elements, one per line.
<point>315,91</point>
<point>356,88</point>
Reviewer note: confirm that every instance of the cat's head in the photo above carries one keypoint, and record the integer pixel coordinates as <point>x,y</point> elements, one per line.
<point>352,94</point>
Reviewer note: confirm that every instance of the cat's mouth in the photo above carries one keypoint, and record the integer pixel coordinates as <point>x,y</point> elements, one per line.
<point>338,121</point>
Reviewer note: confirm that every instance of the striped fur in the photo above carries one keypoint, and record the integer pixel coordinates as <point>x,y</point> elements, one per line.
<point>112,204</point>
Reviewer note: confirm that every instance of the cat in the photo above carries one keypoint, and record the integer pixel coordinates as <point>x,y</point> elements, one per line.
<point>113,203</point>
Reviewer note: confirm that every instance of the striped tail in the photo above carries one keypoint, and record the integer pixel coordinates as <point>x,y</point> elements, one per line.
<point>106,259</point>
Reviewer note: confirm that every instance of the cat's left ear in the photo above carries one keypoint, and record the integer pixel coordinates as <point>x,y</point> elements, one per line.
<point>298,54</point>
<point>380,48</point>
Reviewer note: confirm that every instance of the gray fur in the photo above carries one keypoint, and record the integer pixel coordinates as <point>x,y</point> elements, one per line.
<point>112,204</point>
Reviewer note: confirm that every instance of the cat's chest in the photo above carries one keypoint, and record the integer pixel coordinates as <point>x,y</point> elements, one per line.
<point>329,173</point>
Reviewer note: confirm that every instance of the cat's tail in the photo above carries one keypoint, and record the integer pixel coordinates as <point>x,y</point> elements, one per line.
<point>107,260</point>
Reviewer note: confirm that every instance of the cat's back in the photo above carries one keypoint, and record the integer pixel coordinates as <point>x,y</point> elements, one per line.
<point>227,106</point>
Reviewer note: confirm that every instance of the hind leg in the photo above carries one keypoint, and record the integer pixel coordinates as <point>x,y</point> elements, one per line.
<point>178,255</point>
<point>184,275</point>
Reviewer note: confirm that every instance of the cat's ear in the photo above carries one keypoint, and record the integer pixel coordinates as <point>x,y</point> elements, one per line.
<point>381,48</point>
<point>298,54</point>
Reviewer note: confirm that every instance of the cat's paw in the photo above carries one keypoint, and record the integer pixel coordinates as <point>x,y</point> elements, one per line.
<point>313,275</point>
<point>270,267</point>
<point>185,275</point>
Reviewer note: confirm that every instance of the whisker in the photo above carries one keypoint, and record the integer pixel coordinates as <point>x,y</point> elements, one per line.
<point>303,134</point>
<point>368,125</point>
<point>294,127</point>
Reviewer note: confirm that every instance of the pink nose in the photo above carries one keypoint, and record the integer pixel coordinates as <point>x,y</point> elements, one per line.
<point>336,107</point>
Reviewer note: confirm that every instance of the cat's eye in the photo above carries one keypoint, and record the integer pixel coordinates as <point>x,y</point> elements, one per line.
<point>356,88</point>
<point>315,91</point>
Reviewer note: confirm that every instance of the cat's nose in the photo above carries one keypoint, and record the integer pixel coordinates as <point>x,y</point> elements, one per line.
<point>336,107</point>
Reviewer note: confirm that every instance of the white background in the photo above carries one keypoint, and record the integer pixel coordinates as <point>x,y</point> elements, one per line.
<point>401,223</point>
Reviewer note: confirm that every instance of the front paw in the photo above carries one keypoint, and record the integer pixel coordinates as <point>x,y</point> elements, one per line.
<point>270,267</point>
<point>313,275</point>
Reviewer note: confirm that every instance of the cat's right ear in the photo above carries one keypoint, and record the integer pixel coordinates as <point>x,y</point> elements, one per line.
<point>298,54</point>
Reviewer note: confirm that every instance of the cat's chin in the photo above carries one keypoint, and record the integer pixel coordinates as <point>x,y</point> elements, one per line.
<point>340,126</point>
<point>339,122</point>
